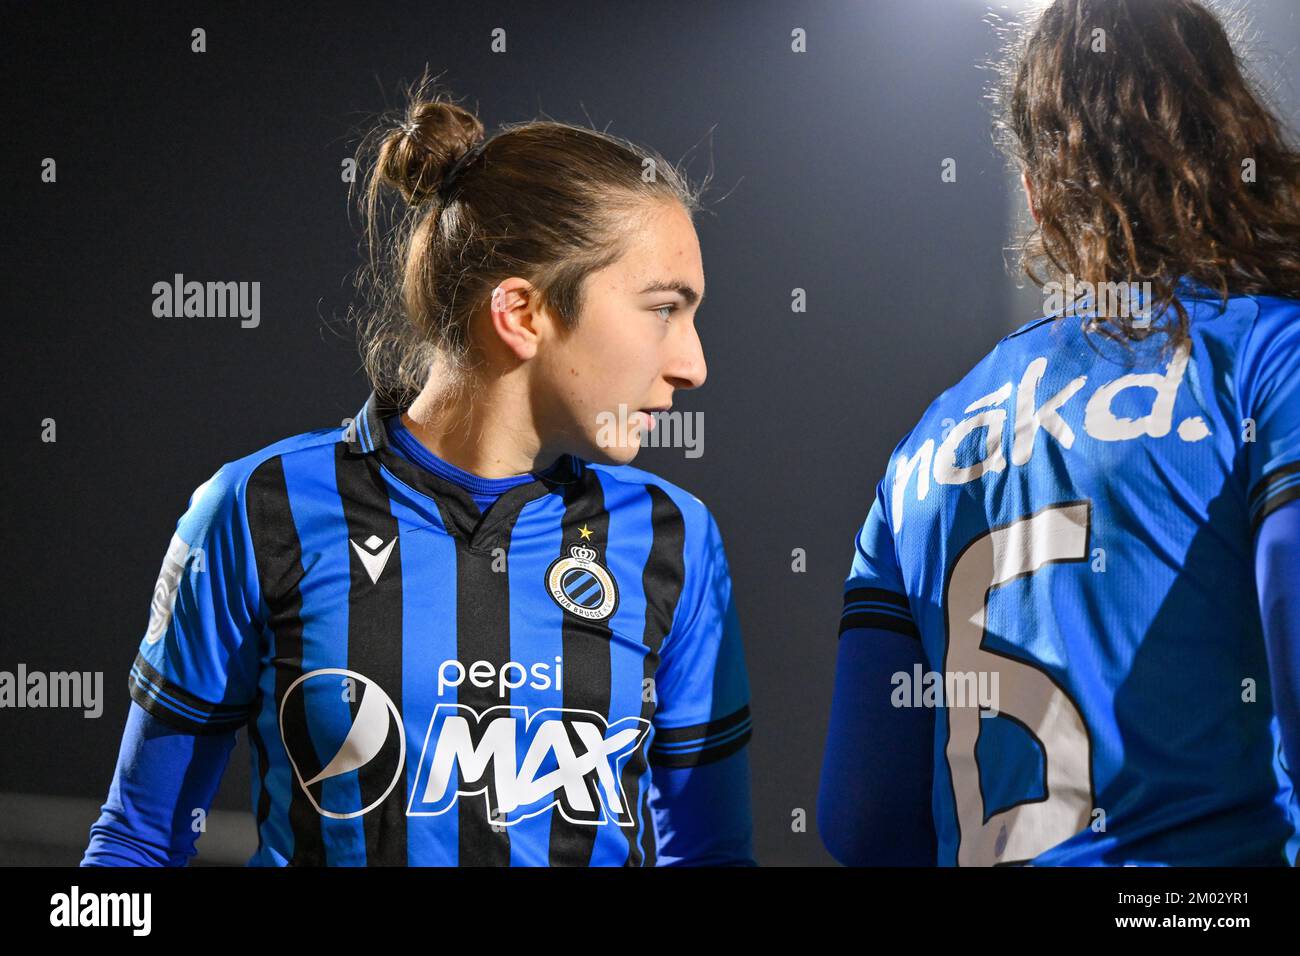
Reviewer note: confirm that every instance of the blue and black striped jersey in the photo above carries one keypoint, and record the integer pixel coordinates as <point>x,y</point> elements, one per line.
<point>427,685</point>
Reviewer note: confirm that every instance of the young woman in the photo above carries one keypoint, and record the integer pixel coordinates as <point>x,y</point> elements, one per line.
<point>461,630</point>
<point>1071,625</point>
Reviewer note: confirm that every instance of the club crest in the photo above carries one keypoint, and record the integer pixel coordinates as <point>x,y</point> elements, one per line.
<point>582,586</point>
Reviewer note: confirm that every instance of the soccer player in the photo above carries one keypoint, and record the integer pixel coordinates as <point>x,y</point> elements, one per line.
<point>462,630</point>
<point>1071,629</point>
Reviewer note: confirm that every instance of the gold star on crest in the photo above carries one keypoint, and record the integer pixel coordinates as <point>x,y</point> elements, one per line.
<point>585,532</point>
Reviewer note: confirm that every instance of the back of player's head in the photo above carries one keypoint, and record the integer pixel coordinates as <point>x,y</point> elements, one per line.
<point>1150,156</point>
<point>543,200</point>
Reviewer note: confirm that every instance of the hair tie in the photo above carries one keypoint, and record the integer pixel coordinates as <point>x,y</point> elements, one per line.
<point>457,168</point>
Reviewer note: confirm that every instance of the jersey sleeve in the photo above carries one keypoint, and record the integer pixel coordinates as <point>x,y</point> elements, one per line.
<point>1277,569</point>
<point>1270,406</point>
<point>701,687</point>
<point>699,762</point>
<point>163,785</point>
<point>196,668</point>
<point>873,803</point>
<point>874,595</point>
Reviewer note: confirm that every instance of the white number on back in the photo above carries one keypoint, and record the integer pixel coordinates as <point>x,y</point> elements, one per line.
<point>1028,695</point>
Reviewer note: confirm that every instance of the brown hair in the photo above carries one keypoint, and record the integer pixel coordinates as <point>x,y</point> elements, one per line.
<point>542,200</point>
<point>1135,156</point>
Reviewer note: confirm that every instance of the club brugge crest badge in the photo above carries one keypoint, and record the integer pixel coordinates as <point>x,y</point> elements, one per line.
<point>581,586</point>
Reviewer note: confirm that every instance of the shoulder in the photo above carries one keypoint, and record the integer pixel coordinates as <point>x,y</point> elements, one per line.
<point>991,381</point>
<point>1268,377</point>
<point>671,514</point>
<point>1256,341</point>
<point>222,497</point>
<point>1272,318</point>
<point>640,482</point>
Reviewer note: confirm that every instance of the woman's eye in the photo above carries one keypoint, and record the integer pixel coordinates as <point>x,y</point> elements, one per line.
<point>670,309</point>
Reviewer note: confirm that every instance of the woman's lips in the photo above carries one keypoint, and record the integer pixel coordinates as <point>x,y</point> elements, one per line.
<point>650,414</point>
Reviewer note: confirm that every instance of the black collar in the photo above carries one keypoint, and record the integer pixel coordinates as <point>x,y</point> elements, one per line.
<point>366,432</point>
<point>367,435</point>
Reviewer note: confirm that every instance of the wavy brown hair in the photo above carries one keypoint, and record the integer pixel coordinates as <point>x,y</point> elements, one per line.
<point>1137,157</point>
<point>542,200</point>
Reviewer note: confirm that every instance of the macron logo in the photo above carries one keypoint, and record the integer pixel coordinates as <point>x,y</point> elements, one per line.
<point>374,555</point>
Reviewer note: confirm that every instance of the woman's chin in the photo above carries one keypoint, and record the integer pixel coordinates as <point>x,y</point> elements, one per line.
<point>619,454</point>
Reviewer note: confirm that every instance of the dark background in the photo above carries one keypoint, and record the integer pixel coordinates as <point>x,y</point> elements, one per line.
<point>226,166</point>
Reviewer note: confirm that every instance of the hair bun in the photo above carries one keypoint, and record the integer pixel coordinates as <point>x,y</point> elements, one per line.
<point>418,154</point>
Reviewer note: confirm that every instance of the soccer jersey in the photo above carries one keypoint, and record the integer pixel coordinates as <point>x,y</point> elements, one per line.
<point>426,685</point>
<point>1067,533</point>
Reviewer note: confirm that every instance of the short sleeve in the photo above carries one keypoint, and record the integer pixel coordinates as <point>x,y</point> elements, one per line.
<point>1270,403</point>
<point>701,685</point>
<point>196,668</point>
<point>874,595</point>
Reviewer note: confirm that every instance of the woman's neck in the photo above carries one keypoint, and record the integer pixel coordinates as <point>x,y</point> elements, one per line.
<point>486,430</point>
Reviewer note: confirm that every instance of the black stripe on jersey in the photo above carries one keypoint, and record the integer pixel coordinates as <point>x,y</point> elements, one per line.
<point>585,648</point>
<point>482,634</point>
<point>698,758</point>
<point>259,746</point>
<point>146,686</point>
<point>734,729</point>
<point>1260,503</point>
<point>681,735</point>
<point>280,570</point>
<point>375,643</point>
<point>879,595</point>
<point>662,580</point>
<point>893,612</point>
<point>649,841</point>
<point>884,622</point>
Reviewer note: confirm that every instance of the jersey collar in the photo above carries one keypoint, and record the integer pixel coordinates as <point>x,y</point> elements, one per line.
<point>366,434</point>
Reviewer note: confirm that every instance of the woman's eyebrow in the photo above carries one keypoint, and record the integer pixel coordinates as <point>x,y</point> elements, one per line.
<point>683,289</point>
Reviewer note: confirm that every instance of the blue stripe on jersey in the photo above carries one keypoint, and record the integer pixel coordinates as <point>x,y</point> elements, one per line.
<point>428,609</point>
<point>877,608</point>
<point>535,629</point>
<point>157,695</point>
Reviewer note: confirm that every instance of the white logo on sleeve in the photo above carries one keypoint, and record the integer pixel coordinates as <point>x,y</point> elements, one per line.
<point>164,589</point>
<point>374,555</point>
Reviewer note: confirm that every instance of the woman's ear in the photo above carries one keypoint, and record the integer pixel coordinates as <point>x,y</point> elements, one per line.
<point>513,317</point>
<point>1029,194</point>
